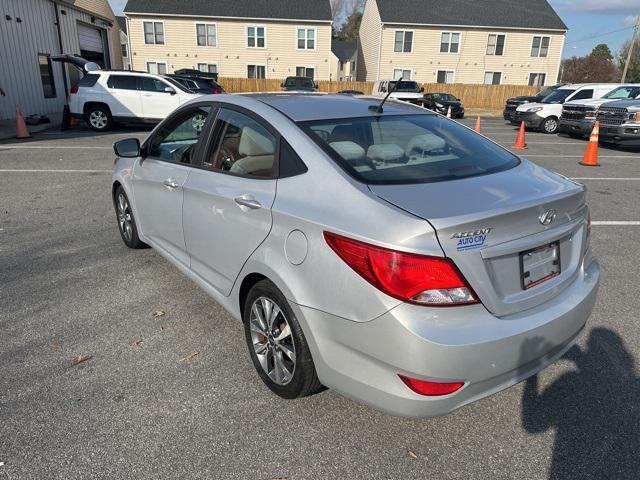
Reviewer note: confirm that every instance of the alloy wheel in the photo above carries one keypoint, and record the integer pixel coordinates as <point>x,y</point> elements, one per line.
<point>124,217</point>
<point>551,125</point>
<point>98,119</point>
<point>272,340</point>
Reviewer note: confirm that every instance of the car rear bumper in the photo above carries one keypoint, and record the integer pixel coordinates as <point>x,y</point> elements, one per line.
<point>622,135</point>
<point>363,360</point>
<point>582,127</point>
<point>531,120</point>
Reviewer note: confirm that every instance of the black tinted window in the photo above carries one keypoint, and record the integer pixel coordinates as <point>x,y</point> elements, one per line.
<point>88,80</point>
<point>122,82</point>
<point>153,85</point>
<point>583,95</point>
<point>408,149</point>
<point>290,163</point>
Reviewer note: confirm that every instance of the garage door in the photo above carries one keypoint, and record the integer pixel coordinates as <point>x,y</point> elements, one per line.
<point>90,39</point>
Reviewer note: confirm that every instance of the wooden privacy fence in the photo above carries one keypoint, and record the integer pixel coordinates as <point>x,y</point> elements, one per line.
<point>472,96</point>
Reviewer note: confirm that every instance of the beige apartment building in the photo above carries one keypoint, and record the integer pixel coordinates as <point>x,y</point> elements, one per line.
<point>243,39</point>
<point>343,60</point>
<point>515,42</point>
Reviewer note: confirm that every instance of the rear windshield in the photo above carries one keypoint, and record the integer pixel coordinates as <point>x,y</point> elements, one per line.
<point>558,96</point>
<point>88,80</point>
<point>405,86</point>
<point>299,82</point>
<point>408,149</point>
<point>444,97</point>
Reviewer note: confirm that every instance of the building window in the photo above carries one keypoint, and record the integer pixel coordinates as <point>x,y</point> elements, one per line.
<point>401,74</point>
<point>341,65</point>
<point>540,46</point>
<point>449,42</point>
<point>208,67</point>
<point>308,72</point>
<point>206,34</point>
<point>492,78</point>
<point>306,38</point>
<point>46,75</point>
<point>495,45</point>
<point>154,33</point>
<point>445,76</point>
<point>256,36</point>
<point>256,71</point>
<point>124,49</point>
<point>537,79</point>
<point>403,41</point>
<point>159,68</point>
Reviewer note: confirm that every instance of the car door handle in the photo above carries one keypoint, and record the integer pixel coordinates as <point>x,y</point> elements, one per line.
<point>170,183</point>
<point>248,201</point>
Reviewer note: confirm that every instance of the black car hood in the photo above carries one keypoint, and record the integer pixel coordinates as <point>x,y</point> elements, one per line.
<point>523,99</point>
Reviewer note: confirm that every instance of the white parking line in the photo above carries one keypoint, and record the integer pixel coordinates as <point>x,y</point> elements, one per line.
<point>607,224</point>
<point>42,170</point>
<point>44,147</point>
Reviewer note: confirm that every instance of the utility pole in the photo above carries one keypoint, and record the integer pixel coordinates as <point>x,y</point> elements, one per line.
<point>630,52</point>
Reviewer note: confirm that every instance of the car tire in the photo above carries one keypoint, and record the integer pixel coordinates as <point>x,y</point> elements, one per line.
<point>126,221</point>
<point>99,118</point>
<point>277,345</point>
<point>550,125</point>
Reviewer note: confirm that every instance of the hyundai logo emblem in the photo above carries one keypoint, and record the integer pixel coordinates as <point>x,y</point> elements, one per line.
<point>547,217</point>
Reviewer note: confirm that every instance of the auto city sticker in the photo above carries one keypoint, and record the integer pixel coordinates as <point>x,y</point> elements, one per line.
<point>471,240</point>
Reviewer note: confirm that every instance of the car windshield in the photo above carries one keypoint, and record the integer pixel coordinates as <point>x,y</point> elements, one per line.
<point>546,92</point>
<point>559,96</point>
<point>623,93</point>
<point>408,149</point>
<point>299,82</point>
<point>405,86</point>
<point>444,97</point>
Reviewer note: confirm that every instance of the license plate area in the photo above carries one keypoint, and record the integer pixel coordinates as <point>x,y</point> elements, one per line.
<point>539,265</point>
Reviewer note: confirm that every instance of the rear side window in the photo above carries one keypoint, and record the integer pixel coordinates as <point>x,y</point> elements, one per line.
<point>88,80</point>
<point>153,85</point>
<point>123,82</point>
<point>408,149</point>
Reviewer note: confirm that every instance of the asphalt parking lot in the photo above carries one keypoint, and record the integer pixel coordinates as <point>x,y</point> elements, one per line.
<point>69,287</point>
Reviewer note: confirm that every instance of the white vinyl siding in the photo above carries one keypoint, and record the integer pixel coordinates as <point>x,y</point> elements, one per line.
<point>403,41</point>
<point>540,46</point>
<point>450,42</point>
<point>256,36</point>
<point>206,34</point>
<point>306,38</point>
<point>153,33</point>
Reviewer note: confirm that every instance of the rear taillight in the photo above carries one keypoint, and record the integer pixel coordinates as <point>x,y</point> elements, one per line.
<point>74,89</point>
<point>216,90</point>
<point>419,279</point>
<point>431,389</point>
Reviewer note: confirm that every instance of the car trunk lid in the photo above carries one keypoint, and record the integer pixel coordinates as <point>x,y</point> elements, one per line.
<point>82,64</point>
<point>486,223</point>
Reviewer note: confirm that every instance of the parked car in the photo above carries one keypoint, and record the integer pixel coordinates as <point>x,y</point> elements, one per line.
<point>441,102</point>
<point>545,114</point>
<point>620,123</point>
<point>514,102</point>
<point>192,72</point>
<point>403,90</point>
<point>198,84</point>
<point>106,96</point>
<point>578,117</point>
<point>281,207</point>
<point>299,84</point>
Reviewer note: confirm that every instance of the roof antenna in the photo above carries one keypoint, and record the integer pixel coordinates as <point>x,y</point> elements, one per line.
<point>378,108</point>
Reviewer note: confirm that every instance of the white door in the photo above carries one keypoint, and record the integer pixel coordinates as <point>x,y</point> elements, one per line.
<point>124,97</point>
<point>156,103</point>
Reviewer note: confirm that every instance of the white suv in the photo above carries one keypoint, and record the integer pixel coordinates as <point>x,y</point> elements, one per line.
<point>103,97</point>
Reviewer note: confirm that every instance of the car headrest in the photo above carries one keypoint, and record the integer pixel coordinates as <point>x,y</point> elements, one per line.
<point>253,143</point>
<point>385,152</point>
<point>427,142</point>
<point>350,151</point>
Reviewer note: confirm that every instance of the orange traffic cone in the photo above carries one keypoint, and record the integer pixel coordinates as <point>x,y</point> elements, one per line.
<point>449,112</point>
<point>521,142</point>
<point>21,126</point>
<point>591,155</point>
<point>477,129</point>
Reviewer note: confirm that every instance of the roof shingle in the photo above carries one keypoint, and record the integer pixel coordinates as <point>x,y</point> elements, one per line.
<point>343,49</point>
<point>318,10</point>
<point>529,14</point>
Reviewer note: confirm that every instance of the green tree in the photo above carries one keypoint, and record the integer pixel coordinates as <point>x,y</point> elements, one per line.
<point>349,29</point>
<point>633,75</point>
<point>602,51</point>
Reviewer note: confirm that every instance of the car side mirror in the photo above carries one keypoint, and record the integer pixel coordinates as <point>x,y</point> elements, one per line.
<point>315,85</point>
<point>170,90</point>
<point>127,148</point>
<point>421,89</point>
<point>282,85</point>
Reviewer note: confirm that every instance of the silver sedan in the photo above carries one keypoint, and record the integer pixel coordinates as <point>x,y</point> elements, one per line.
<point>389,253</point>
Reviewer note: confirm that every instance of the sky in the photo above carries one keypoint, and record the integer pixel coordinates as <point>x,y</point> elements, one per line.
<point>588,22</point>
